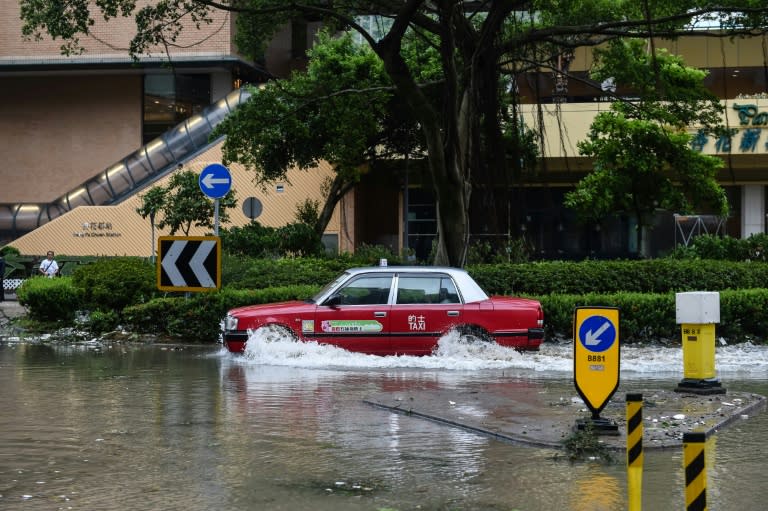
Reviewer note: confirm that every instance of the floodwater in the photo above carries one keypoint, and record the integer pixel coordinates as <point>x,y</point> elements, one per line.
<point>284,427</point>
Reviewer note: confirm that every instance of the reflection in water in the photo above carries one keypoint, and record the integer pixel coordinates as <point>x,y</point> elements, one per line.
<point>596,491</point>
<point>285,427</point>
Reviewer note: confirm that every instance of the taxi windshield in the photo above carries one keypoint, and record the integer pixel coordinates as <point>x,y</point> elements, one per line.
<point>328,287</point>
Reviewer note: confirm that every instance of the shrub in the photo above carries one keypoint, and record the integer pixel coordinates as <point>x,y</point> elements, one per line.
<point>197,319</point>
<point>651,316</point>
<point>504,251</point>
<point>111,284</point>
<point>9,250</point>
<point>643,317</point>
<point>710,246</point>
<point>264,273</point>
<point>645,276</point>
<point>299,239</point>
<point>370,255</point>
<point>47,299</point>
<point>253,240</point>
<point>99,322</point>
<point>256,240</point>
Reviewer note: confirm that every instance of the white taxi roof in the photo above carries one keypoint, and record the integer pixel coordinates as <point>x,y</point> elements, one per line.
<point>470,290</point>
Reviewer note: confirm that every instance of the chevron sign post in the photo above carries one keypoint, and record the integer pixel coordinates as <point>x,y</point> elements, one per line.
<point>191,263</point>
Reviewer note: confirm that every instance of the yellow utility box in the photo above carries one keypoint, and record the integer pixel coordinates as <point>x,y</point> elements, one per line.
<point>697,312</point>
<point>698,351</point>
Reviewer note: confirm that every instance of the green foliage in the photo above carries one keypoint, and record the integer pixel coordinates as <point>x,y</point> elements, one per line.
<point>370,255</point>
<point>110,284</point>
<point>50,299</point>
<point>586,444</point>
<point>308,212</point>
<point>196,319</point>
<point>152,202</point>
<point>99,322</point>
<point>670,92</point>
<point>266,273</point>
<point>9,250</point>
<point>645,317</point>
<point>253,240</point>
<point>512,251</point>
<point>643,160</point>
<point>710,246</point>
<point>180,204</point>
<point>333,111</point>
<point>643,290</point>
<point>649,317</point>
<point>300,240</point>
<point>259,273</point>
<point>256,240</point>
<point>642,276</point>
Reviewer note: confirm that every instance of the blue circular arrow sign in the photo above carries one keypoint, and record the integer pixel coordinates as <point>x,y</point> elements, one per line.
<point>215,181</point>
<point>597,333</point>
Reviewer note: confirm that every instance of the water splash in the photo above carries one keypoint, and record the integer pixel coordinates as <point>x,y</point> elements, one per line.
<point>455,353</point>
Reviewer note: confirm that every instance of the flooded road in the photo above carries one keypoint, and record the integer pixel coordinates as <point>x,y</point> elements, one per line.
<point>284,427</point>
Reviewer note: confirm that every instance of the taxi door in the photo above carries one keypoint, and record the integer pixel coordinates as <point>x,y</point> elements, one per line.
<point>356,317</point>
<point>426,306</point>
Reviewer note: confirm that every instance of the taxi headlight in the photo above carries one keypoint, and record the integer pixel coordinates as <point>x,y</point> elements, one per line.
<point>230,322</point>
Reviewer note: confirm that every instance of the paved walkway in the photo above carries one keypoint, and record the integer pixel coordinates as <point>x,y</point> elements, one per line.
<point>10,309</point>
<point>545,417</point>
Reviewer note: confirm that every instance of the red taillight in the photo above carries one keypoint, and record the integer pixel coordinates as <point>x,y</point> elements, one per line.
<point>540,320</point>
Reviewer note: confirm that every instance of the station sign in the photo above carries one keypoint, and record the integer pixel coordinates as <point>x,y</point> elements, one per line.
<point>596,355</point>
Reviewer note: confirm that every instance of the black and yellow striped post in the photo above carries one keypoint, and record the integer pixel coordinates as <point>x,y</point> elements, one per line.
<point>635,451</point>
<point>695,471</point>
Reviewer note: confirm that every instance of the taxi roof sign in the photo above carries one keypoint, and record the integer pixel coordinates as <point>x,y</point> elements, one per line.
<point>596,355</point>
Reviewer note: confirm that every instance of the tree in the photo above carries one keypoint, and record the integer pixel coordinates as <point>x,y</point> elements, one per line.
<point>483,48</point>
<point>183,205</point>
<point>643,160</point>
<point>338,110</point>
<point>152,203</point>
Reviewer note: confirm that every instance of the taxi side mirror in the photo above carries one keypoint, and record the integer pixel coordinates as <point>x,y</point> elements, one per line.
<point>334,301</point>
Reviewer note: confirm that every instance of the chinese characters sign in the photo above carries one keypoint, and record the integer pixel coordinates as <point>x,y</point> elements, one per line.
<point>746,140</point>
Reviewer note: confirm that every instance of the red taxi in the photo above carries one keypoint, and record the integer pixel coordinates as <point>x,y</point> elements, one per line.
<point>396,310</point>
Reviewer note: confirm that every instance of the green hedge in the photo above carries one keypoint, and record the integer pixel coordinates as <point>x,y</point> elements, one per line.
<point>651,316</point>
<point>47,299</point>
<point>111,284</point>
<point>644,317</point>
<point>197,319</point>
<point>645,276</point>
<point>643,290</point>
<point>536,278</point>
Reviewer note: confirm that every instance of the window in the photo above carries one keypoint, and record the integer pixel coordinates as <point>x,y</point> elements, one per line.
<point>171,98</point>
<point>421,289</point>
<point>370,290</point>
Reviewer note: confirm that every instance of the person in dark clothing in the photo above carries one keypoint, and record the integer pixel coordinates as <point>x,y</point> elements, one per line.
<point>2,277</point>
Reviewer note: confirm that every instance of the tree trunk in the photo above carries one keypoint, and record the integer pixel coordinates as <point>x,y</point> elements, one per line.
<point>447,164</point>
<point>339,187</point>
<point>462,130</point>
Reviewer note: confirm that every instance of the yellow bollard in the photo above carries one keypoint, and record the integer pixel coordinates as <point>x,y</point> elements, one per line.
<point>635,451</point>
<point>698,312</point>
<point>698,351</point>
<point>695,471</point>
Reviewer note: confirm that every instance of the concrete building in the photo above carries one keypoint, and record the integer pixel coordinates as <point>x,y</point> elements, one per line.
<point>83,136</point>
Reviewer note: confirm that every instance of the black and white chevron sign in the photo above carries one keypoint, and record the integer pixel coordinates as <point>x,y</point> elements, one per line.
<point>190,263</point>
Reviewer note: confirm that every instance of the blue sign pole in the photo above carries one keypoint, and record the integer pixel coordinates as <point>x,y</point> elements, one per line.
<point>215,181</point>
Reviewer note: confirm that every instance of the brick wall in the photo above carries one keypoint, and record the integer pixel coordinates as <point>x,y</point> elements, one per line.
<point>58,133</point>
<point>110,39</point>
